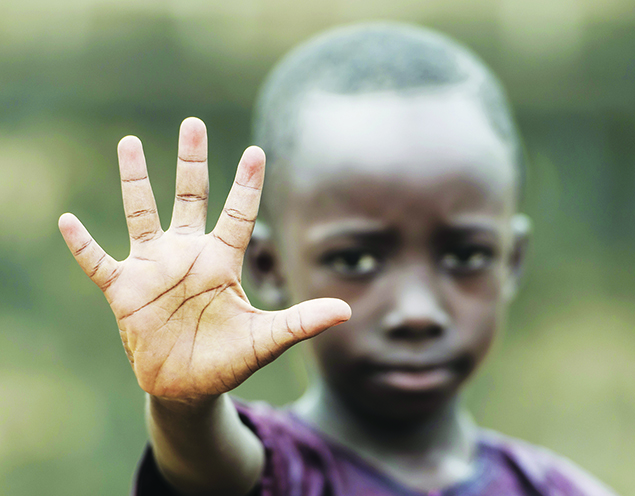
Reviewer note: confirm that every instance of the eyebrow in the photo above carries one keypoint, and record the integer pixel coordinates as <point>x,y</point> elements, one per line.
<point>355,228</point>
<point>468,230</point>
<point>369,230</point>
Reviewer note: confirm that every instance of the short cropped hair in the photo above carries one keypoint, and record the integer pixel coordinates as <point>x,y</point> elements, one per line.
<point>372,57</point>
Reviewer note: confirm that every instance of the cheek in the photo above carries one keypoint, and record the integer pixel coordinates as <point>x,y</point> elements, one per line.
<point>486,333</point>
<point>486,288</point>
<point>478,311</point>
<point>334,349</point>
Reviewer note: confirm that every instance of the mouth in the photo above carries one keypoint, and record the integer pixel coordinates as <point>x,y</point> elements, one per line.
<point>415,378</point>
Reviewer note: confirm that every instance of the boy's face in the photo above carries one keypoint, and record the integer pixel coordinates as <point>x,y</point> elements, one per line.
<point>401,205</point>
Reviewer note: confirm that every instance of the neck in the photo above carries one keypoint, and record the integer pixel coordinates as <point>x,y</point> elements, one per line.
<point>434,452</point>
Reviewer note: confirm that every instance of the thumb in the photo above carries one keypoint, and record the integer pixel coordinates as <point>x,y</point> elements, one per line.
<point>308,319</point>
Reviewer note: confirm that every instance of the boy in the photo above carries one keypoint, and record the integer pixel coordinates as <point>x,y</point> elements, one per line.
<point>395,176</point>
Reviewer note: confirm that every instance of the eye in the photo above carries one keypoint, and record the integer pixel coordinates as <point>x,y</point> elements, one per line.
<point>467,259</point>
<point>353,262</point>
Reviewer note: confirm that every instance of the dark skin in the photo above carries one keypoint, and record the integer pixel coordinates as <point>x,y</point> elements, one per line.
<point>413,223</point>
<point>392,244</point>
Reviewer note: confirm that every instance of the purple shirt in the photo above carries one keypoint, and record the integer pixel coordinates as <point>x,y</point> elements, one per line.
<point>302,462</point>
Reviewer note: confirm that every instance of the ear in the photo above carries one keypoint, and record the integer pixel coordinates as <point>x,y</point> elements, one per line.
<point>262,263</point>
<point>521,231</point>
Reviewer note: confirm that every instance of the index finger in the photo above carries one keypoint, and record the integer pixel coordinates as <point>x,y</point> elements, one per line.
<point>236,222</point>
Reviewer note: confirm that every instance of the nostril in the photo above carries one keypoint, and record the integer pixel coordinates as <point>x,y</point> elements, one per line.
<point>407,332</point>
<point>435,331</point>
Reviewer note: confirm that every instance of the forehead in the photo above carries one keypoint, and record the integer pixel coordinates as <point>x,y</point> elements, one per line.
<point>432,147</point>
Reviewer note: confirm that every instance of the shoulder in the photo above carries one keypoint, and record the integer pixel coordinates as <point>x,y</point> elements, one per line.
<point>550,474</point>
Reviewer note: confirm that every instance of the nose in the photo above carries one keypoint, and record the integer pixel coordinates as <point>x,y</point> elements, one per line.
<point>417,311</point>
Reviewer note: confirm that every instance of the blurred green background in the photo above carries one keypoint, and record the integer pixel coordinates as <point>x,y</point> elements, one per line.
<point>76,76</point>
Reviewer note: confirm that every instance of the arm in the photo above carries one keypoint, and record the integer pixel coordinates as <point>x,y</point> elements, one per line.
<point>188,329</point>
<point>204,448</point>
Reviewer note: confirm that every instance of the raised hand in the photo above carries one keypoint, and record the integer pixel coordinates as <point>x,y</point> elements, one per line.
<point>187,327</point>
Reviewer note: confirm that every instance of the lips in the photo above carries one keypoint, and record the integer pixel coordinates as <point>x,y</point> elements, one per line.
<point>414,380</point>
<point>414,377</point>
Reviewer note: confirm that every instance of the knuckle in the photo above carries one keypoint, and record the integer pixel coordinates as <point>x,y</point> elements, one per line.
<point>246,186</point>
<point>141,213</point>
<point>190,197</point>
<point>97,266</point>
<point>83,248</point>
<point>238,215</point>
<point>144,236</point>
<point>134,179</point>
<point>192,159</point>
<point>225,242</point>
<point>110,280</point>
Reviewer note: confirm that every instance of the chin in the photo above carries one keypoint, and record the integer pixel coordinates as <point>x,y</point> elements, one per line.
<point>402,409</point>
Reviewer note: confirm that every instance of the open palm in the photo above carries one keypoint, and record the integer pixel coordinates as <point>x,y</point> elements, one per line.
<point>186,324</point>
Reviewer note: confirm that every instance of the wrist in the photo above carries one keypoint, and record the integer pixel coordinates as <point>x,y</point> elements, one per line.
<point>182,406</point>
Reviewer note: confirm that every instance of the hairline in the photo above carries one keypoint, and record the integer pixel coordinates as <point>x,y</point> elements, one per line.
<point>468,87</point>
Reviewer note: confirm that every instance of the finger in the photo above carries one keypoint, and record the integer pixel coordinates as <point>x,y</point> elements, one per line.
<point>102,269</point>
<point>236,222</point>
<point>307,319</point>
<point>192,181</point>
<point>138,201</point>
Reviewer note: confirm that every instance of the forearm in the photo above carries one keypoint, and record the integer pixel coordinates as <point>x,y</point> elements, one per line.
<point>204,448</point>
